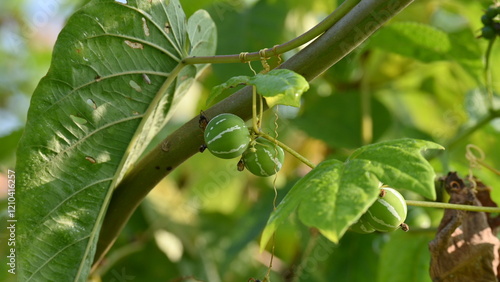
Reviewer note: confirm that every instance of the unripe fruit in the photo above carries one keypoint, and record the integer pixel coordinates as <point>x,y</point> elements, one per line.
<point>387,212</point>
<point>263,157</point>
<point>227,136</point>
<point>362,226</point>
<point>486,20</point>
<point>491,12</point>
<point>488,32</point>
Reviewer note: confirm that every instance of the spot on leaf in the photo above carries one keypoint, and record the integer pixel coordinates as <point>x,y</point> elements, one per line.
<point>134,85</point>
<point>134,45</point>
<point>90,159</point>
<point>146,78</point>
<point>167,27</point>
<point>145,27</point>
<point>78,120</point>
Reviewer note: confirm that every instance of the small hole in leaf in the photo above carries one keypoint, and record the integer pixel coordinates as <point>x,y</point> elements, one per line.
<point>91,103</point>
<point>78,120</point>
<point>136,86</point>
<point>121,1</point>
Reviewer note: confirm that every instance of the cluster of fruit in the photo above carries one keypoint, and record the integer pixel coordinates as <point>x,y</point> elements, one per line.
<point>491,23</point>
<point>386,214</point>
<point>227,137</point>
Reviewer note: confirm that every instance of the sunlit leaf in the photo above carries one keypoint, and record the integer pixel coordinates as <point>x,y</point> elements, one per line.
<point>335,194</point>
<point>109,63</point>
<point>279,87</point>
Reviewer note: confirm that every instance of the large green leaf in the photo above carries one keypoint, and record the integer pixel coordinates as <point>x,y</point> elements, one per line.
<point>103,89</point>
<point>335,194</point>
<point>400,164</point>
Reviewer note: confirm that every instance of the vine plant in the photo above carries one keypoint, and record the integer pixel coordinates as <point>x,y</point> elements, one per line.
<point>93,100</point>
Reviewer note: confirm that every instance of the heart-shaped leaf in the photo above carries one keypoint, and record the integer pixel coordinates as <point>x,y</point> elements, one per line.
<point>111,87</point>
<point>335,194</point>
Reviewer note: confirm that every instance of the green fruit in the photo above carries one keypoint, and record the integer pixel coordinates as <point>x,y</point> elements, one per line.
<point>388,211</point>
<point>488,32</point>
<point>263,157</point>
<point>486,20</point>
<point>491,12</point>
<point>227,136</point>
<point>362,226</point>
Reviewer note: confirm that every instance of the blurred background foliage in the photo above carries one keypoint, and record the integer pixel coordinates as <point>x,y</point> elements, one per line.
<point>421,76</point>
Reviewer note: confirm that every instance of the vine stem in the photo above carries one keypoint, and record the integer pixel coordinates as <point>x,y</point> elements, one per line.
<point>314,32</point>
<point>452,206</point>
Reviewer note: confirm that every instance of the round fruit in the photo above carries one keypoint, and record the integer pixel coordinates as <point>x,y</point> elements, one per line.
<point>488,32</point>
<point>362,226</point>
<point>491,12</point>
<point>227,136</point>
<point>486,20</point>
<point>263,157</point>
<point>388,212</point>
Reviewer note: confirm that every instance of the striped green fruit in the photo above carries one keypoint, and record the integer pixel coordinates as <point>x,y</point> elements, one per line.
<point>263,157</point>
<point>227,136</point>
<point>388,211</point>
<point>362,226</point>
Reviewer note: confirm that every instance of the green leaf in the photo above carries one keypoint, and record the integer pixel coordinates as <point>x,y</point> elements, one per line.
<point>428,44</point>
<point>202,35</point>
<point>331,198</point>
<point>102,91</point>
<point>281,87</point>
<point>415,40</point>
<point>217,93</point>
<point>338,197</point>
<point>400,164</point>
<point>334,195</point>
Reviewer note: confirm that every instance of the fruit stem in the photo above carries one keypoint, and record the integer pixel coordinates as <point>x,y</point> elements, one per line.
<point>452,206</point>
<point>286,148</point>
<point>255,122</point>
